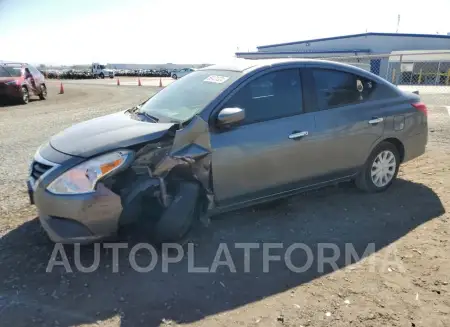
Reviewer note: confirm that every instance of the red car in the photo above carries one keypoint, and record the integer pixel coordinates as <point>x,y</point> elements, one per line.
<point>19,81</point>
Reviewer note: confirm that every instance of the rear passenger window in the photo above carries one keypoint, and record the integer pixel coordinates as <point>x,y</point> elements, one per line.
<point>335,88</point>
<point>275,95</point>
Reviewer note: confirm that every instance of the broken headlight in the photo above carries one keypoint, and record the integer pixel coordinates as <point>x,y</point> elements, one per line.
<point>84,177</point>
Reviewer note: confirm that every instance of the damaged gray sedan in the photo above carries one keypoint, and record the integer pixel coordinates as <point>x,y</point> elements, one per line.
<point>222,138</point>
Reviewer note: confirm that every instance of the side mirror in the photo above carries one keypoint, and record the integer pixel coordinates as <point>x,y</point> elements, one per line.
<point>230,116</point>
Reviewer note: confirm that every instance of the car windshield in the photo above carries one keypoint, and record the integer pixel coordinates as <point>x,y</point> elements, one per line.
<point>186,97</point>
<point>14,71</point>
<point>4,73</point>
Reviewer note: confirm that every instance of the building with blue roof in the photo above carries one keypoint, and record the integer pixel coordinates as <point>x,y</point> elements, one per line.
<point>377,48</point>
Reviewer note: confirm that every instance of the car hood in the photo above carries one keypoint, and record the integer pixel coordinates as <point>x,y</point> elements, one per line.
<point>106,133</point>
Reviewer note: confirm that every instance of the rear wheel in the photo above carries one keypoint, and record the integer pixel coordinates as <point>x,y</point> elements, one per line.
<point>175,76</point>
<point>25,95</point>
<point>102,76</point>
<point>380,170</point>
<point>43,94</point>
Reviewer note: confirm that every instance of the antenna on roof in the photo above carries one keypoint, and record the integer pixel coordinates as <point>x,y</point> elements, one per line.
<point>398,23</point>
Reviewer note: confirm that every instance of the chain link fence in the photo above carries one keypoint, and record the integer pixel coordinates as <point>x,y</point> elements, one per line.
<point>426,72</point>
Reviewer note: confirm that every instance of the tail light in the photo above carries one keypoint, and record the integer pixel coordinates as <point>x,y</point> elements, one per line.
<point>421,107</point>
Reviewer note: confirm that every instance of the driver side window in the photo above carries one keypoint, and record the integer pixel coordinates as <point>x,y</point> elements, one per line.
<point>271,96</point>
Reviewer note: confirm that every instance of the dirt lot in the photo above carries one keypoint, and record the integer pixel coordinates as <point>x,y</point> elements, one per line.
<point>404,283</point>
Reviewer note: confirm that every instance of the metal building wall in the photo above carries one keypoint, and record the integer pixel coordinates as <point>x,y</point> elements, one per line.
<point>375,42</point>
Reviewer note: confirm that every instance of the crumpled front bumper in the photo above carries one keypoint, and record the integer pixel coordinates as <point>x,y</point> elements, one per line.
<point>69,219</point>
<point>89,217</point>
<point>79,218</point>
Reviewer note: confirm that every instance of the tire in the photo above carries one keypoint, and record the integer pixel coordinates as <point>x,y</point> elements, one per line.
<point>43,94</point>
<point>25,95</point>
<point>174,76</point>
<point>102,76</point>
<point>385,155</point>
<point>178,219</point>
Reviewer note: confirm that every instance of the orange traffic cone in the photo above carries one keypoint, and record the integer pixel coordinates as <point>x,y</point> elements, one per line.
<point>160,82</point>
<point>139,82</point>
<point>118,82</point>
<point>61,89</point>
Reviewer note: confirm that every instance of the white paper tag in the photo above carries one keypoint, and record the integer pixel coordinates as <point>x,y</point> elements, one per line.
<point>216,79</point>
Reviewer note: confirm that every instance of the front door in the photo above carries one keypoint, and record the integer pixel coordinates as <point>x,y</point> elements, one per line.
<point>29,78</point>
<point>37,76</point>
<point>271,151</point>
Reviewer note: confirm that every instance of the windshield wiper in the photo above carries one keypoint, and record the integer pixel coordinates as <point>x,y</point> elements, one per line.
<point>136,110</point>
<point>133,109</point>
<point>148,116</point>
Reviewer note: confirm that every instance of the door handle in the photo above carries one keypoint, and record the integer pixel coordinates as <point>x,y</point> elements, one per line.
<point>374,120</point>
<point>297,135</point>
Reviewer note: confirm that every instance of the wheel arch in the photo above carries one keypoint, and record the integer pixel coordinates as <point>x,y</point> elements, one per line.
<point>399,146</point>
<point>394,141</point>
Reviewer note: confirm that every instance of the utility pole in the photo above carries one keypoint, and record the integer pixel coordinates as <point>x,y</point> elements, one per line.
<point>398,23</point>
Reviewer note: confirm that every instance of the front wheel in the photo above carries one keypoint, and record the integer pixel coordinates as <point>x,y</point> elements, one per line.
<point>179,217</point>
<point>43,94</point>
<point>174,76</point>
<point>380,170</point>
<point>102,76</point>
<point>25,95</point>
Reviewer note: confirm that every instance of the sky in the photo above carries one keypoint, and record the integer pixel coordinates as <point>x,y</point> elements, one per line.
<point>193,31</point>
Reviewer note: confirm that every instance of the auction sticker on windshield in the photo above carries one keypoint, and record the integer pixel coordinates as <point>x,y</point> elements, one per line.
<point>216,79</point>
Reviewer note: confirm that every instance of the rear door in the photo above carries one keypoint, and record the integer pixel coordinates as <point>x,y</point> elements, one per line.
<point>270,152</point>
<point>349,119</point>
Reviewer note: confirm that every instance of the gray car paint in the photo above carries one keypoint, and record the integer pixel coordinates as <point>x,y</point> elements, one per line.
<point>250,163</point>
<point>106,133</point>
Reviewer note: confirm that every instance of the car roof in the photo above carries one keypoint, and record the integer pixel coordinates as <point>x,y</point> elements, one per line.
<point>248,65</point>
<point>242,65</point>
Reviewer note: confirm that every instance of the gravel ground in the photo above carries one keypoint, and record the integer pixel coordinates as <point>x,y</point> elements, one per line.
<point>405,282</point>
<point>38,120</point>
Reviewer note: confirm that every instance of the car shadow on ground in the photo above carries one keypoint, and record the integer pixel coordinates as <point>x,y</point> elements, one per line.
<point>337,215</point>
<point>12,103</point>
